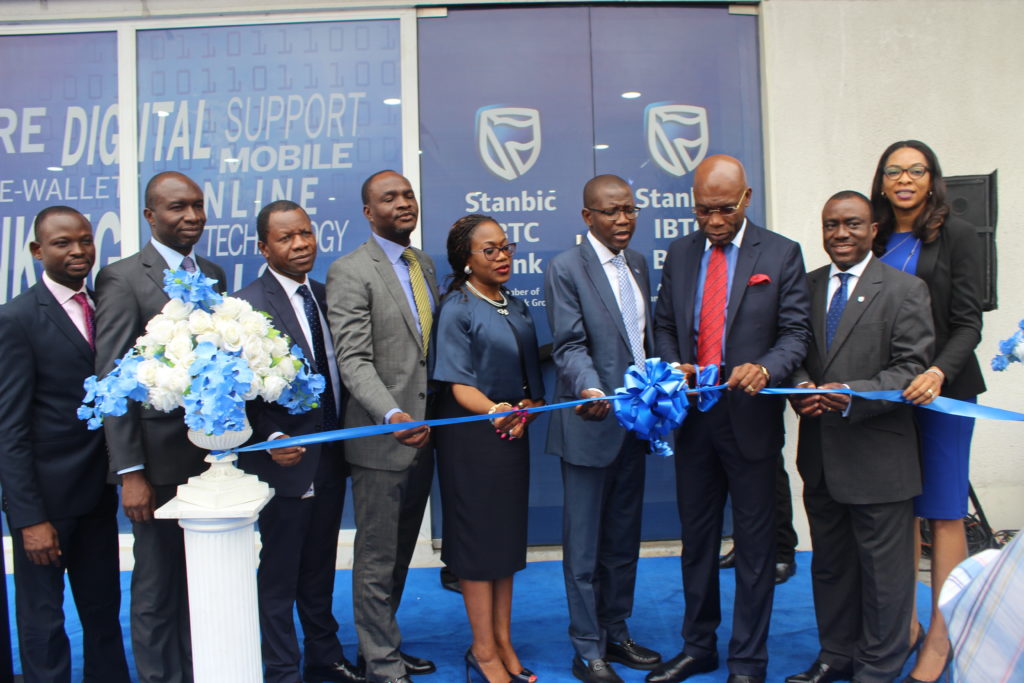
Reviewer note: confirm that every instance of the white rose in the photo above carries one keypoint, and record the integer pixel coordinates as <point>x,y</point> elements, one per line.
<point>160,330</point>
<point>230,333</point>
<point>284,369</point>
<point>146,372</point>
<point>279,346</point>
<point>200,322</point>
<point>255,355</point>
<point>173,379</point>
<point>211,337</point>
<point>255,324</point>
<point>176,309</point>
<point>161,399</point>
<point>179,351</point>
<point>231,308</point>
<point>272,388</point>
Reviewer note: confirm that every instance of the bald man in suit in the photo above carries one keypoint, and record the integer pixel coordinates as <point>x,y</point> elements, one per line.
<point>149,449</point>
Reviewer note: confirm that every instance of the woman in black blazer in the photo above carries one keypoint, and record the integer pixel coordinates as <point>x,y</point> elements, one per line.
<point>916,234</point>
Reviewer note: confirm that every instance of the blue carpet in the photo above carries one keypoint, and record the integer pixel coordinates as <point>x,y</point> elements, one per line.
<point>434,623</point>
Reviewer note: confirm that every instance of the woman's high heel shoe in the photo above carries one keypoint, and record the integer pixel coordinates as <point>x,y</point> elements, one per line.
<point>944,675</point>
<point>524,676</point>
<point>471,665</point>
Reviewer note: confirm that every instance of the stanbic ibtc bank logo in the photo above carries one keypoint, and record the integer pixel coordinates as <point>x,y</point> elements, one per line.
<point>508,139</point>
<point>677,136</point>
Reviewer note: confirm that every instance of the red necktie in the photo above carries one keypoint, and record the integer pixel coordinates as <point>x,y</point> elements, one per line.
<point>83,301</point>
<point>712,309</point>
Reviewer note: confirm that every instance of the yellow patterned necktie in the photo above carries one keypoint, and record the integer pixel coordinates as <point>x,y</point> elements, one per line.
<point>420,296</point>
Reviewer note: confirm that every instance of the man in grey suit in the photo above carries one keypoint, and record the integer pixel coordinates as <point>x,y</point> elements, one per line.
<point>149,449</point>
<point>872,330</point>
<point>380,303</point>
<point>598,297</point>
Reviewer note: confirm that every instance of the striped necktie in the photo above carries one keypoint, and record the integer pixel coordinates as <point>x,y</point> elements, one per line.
<point>630,312</point>
<point>420,296</point>
<point>835,309</point>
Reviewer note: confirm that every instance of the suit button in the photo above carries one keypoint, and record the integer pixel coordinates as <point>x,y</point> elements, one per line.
<point>422,362</point>
<point>422,395</point>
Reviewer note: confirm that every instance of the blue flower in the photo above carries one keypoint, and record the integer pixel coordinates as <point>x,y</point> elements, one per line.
<point>194,288</point>
<point>1000,363</point>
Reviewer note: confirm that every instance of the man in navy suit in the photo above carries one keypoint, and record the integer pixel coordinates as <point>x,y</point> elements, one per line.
<point>299,526</point>
<point>732,295</point>
<point>598,296</point>
<point>60,508</point>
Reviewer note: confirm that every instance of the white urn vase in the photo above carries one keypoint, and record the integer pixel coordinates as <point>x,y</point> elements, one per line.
<point>223,484</point>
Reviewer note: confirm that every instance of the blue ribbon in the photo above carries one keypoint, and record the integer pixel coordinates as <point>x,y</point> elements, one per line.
<point>652,406</point>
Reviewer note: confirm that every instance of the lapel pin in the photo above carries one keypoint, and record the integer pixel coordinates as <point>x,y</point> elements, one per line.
<point>860,299</point>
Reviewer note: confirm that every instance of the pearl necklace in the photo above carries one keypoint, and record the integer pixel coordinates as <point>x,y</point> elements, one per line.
<point>502,305</point>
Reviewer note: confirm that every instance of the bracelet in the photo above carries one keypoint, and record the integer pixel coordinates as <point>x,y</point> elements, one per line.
<point>496,408</point>
<point>938,373</point>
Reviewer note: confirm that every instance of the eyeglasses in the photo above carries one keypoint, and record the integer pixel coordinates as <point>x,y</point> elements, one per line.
<point>491,253</point>
<point>916,171</point>
<point>705,212</point>
<point>630,211</point>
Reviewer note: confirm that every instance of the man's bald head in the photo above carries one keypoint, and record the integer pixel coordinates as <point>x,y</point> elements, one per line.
<point>720,198</point>
<point>154,184</point>
<point>599,182</point>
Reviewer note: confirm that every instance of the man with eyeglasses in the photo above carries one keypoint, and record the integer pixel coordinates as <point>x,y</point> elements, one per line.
<point>733,295</point>
<point>597,303</point>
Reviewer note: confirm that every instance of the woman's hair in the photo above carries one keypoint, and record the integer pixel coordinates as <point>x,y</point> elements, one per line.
<point>459,244</point>
<point>936,208</point>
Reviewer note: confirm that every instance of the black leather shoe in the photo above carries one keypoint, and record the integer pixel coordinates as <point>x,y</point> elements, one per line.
<point>594,671</point>
<point>341,670</point>
<point>820,672</point>
<point>744,678</point>
<point>632,654</point>
<point>727,561</point>
<point>681,667</point>
<point>415,666</point>
<point>784,570</point>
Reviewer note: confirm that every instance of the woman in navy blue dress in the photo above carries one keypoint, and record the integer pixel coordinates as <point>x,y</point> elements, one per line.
<point>486,354</point>
<point>917,234</point>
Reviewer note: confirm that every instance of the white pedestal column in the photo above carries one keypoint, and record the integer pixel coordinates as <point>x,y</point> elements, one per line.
<point>220,554</point>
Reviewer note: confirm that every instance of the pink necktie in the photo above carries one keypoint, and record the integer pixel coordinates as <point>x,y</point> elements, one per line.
<point>90,329</point>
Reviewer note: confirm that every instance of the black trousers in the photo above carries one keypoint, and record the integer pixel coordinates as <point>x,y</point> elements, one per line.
<point>89,554</point>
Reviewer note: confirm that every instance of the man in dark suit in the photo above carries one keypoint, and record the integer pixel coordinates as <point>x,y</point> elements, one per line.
<point>299,526</point>
<point>732,295</point>
<point>380,301</point>
<point>873,331</point>
<point>60,508</point>
<point>149,449</point>
<point>598,296</point>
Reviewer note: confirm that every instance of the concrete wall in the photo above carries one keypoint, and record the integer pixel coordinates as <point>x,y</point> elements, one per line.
<point>844,78</point>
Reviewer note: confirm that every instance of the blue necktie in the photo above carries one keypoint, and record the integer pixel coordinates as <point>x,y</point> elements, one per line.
<point>630,312</point>
<point>835,309</point>
<point>320,355</point>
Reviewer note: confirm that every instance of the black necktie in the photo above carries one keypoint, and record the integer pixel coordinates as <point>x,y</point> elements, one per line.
<point>320,356</point>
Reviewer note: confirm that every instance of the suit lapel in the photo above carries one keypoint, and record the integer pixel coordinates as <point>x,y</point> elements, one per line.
<point>927,259</point>
<point>283,313</point>
<point>386,271</point>
<point>154,265</point>
<point>60,319</point>
<point>869,284</point>
<point>745,262</point>
<point>691,272</point>
<point>819,290</point>
<point>595,271</point>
